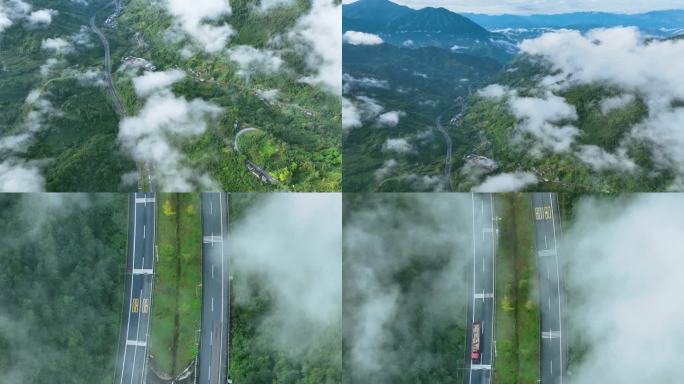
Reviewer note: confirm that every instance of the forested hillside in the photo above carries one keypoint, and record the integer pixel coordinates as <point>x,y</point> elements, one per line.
<point>61,278</point>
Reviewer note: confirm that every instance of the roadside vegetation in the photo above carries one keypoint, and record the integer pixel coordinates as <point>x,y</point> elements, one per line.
<point>517,312</point>
<point>176,308</point>
<point>62,268</point>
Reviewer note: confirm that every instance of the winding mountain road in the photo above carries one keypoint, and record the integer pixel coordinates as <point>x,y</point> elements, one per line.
<point>447,160</point>
<point>116,99</point>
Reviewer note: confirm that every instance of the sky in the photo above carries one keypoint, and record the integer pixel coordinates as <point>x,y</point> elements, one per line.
<point>526,7</point>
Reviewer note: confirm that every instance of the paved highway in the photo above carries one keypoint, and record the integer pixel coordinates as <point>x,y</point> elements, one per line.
<point>107,67</point>
<point>447,160</point>
<point>214,340</point>
<point>242,132</point>
<point>131,365</point>
<point>553,341</point>
<point>481,306</point>
<point>116,100</point>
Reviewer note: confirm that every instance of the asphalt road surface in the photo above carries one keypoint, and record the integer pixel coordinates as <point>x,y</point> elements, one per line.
<point>214,340</point>
<point>131,365</point>
<point>481,306</point>
<point>449,150</point>
<point>108,69</point>
<point>547,229</point>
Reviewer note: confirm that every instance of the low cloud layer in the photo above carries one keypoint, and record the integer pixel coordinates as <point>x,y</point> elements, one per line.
<point>253,60</point>
<point>16,11</point>
<point>165,120</point>
<point>506,182</point>
<point>625,285</point>
<point>20,176</point>
<point>404,282</point>
<point>57,45</point>
<point>318,34</point>
<point>361,38</point>
<point>195,17</point>
<point>364,109</point>
<point>616,58</point>
<point>292,243</point>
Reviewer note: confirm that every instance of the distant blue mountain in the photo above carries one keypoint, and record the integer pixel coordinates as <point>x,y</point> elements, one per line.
<point>661,23</point>
<point>426,27</point>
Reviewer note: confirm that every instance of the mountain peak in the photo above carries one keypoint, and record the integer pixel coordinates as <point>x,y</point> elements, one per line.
<point>437,19</point>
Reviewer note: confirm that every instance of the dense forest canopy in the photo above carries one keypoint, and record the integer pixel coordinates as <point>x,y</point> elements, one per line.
<point>61,278</point>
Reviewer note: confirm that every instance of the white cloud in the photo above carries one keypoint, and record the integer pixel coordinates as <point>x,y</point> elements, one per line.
<point>390,119</point>
<point>351,117</point>
<point>610,104</point>
<point>57,45</point>
<point>388,168</point>
<point>42,16</point>
<point>20,176</point>
<point>292,245</point>
<point>151,82</point>
<point>601,160</point>
<point>539,116</point>
<point>494,91</point>
<point>624,59</point>
<point>251,59</point>
<point>319,36</point>
<point>265,5</point>
<point>350,82</point>
<point>432,183</point>
<point>506,182</point>
<point>50,65</point>
<point>400,145</point>
<point>165,120</point>
<point>361,38</point>
<point>634,259</point>
<point>193,17</point>
<point>82,37</point>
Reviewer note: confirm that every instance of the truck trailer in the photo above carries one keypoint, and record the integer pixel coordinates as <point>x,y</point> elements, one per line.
<point>475,342</point>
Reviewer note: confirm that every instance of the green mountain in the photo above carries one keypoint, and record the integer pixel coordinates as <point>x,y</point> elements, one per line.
<point>420,84</point>
<point>436,20</point>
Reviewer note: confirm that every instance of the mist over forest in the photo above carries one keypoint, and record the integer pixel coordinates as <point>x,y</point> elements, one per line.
<point>61,275</point>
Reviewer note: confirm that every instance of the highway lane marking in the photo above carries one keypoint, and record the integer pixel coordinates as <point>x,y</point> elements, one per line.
<point>144,200</point>
<point>211,208</point>
<point>137,338</point>
<point>547,252</point>
<point>144,230</point>
<point>551,334</point>
<point>552,366</point>
<point>136,343</point>
<point>479,367</point>
<point>538,215</point>
<point>143,271</point>
<point>146,306</point>
<point>212,304</point>
<point>549,303</point>
<point>484,295</point>
<point>212,271</point>
<point>136,304</point>
<point>212,239</point>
